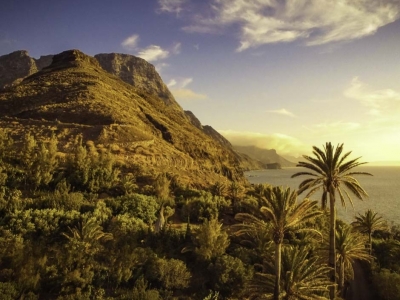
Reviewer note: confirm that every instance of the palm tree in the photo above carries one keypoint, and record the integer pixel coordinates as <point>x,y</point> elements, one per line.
<point>303,276</point>
<point>284,214</point>
<point>350,247</point>
<point>368,223</point>
<point>219,189</point>
<point>330,172</point>
<point>87,236</point>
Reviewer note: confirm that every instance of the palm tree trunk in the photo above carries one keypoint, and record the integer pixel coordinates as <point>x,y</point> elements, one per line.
<point>278,253</point>
<point>341,276</point>
<point>370,242</point>
<point>332,245</point>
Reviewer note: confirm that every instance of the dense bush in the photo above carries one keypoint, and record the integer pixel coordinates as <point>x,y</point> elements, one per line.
<point>387,284</point>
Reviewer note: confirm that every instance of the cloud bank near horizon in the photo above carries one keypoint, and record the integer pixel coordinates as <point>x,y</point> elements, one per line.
<point>283,144</point>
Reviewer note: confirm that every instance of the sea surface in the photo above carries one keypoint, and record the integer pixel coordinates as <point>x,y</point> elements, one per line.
<point>383,190</point>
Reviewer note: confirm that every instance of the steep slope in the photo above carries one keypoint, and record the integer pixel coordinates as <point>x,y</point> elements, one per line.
<point>246,162</point>
<point>137,72</point>
<point>266,156</point>
<point>76,95</point>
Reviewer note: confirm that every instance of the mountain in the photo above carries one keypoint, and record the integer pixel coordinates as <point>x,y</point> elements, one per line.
<point>266,156</point>
<point>113,100</point>
<point>14,67</point>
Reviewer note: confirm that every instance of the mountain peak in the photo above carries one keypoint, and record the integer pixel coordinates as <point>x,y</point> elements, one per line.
<point>139,73</point>
<point>73,58</point>
<point>14,67</point>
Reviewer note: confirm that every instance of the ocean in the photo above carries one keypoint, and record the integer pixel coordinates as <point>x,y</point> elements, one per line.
<point>383,190</point>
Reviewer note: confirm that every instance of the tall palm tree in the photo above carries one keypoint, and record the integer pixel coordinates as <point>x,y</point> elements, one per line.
<point>284,214</point>
<point>330,172</point>
<point>303,276</point>
<point>368,223</point>
<point>350,247</point>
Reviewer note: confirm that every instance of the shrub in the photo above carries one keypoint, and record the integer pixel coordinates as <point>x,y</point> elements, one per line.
<point>136,205</point>
<point>387,284</point>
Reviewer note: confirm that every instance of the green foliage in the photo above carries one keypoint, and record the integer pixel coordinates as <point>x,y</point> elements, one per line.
<point>64,234</point>
<point>170,273</point>
<point>136,205</point>
<point>387,284</point>
<point>303,276</point>
<point>90,170</point>
<point>141,291</point>
<point>128,184</point>
<point>10,199</point>
<point>387,253</point>
<point>8,291</point>
<point>161,187</point>
<point>229,275</point>
<point>6,143</point>
<point>39,222</point>
<point>39,160</point>
<point>211,240</point>
<point>204,206</point>
<point>368,223</point>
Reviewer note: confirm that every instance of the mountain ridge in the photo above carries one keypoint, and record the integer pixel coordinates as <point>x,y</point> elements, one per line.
<point>110,90</point>
<point>75,95</point>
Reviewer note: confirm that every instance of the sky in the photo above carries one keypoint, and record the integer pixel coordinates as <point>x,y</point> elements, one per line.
<point>281,74</point>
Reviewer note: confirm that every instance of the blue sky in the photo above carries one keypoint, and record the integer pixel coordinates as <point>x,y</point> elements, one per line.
<point>283,74</point>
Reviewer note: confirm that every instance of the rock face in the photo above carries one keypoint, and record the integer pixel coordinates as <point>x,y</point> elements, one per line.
<point>193,119</point>
<point>14,67</point>
<point>75,95</point>
<point>139,73</point>
<point>44,61</point>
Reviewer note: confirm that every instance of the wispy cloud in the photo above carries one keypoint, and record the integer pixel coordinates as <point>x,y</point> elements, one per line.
<point>283,144</point>
<point>131,42</point>
<point>171,83</point>
<point>171,6</point>
<point>335,128</point>
<point>187,95</point>
<point>316,22</point>
<point>161,66</point>
<point>282,111</point>
<point>153,53</point>
<point>176,48</point>
<point>150,53</point>
<point>181,92</point>
<point>379,101</point>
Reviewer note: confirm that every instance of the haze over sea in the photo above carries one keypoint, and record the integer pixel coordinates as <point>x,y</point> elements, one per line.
<point>383,189</point>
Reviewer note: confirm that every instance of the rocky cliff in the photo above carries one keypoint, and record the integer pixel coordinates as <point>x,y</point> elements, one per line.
<point>14,67</point>
<point>138,73</point>
<point>75,95</point>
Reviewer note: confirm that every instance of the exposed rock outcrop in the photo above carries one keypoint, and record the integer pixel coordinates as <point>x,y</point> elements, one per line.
<point>44,61</point>
<point>137,72</point>
<point>193,119</point>
<point>14,67</point>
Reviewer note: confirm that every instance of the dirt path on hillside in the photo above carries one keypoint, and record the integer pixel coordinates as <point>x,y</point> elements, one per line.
<point>360,288</point>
